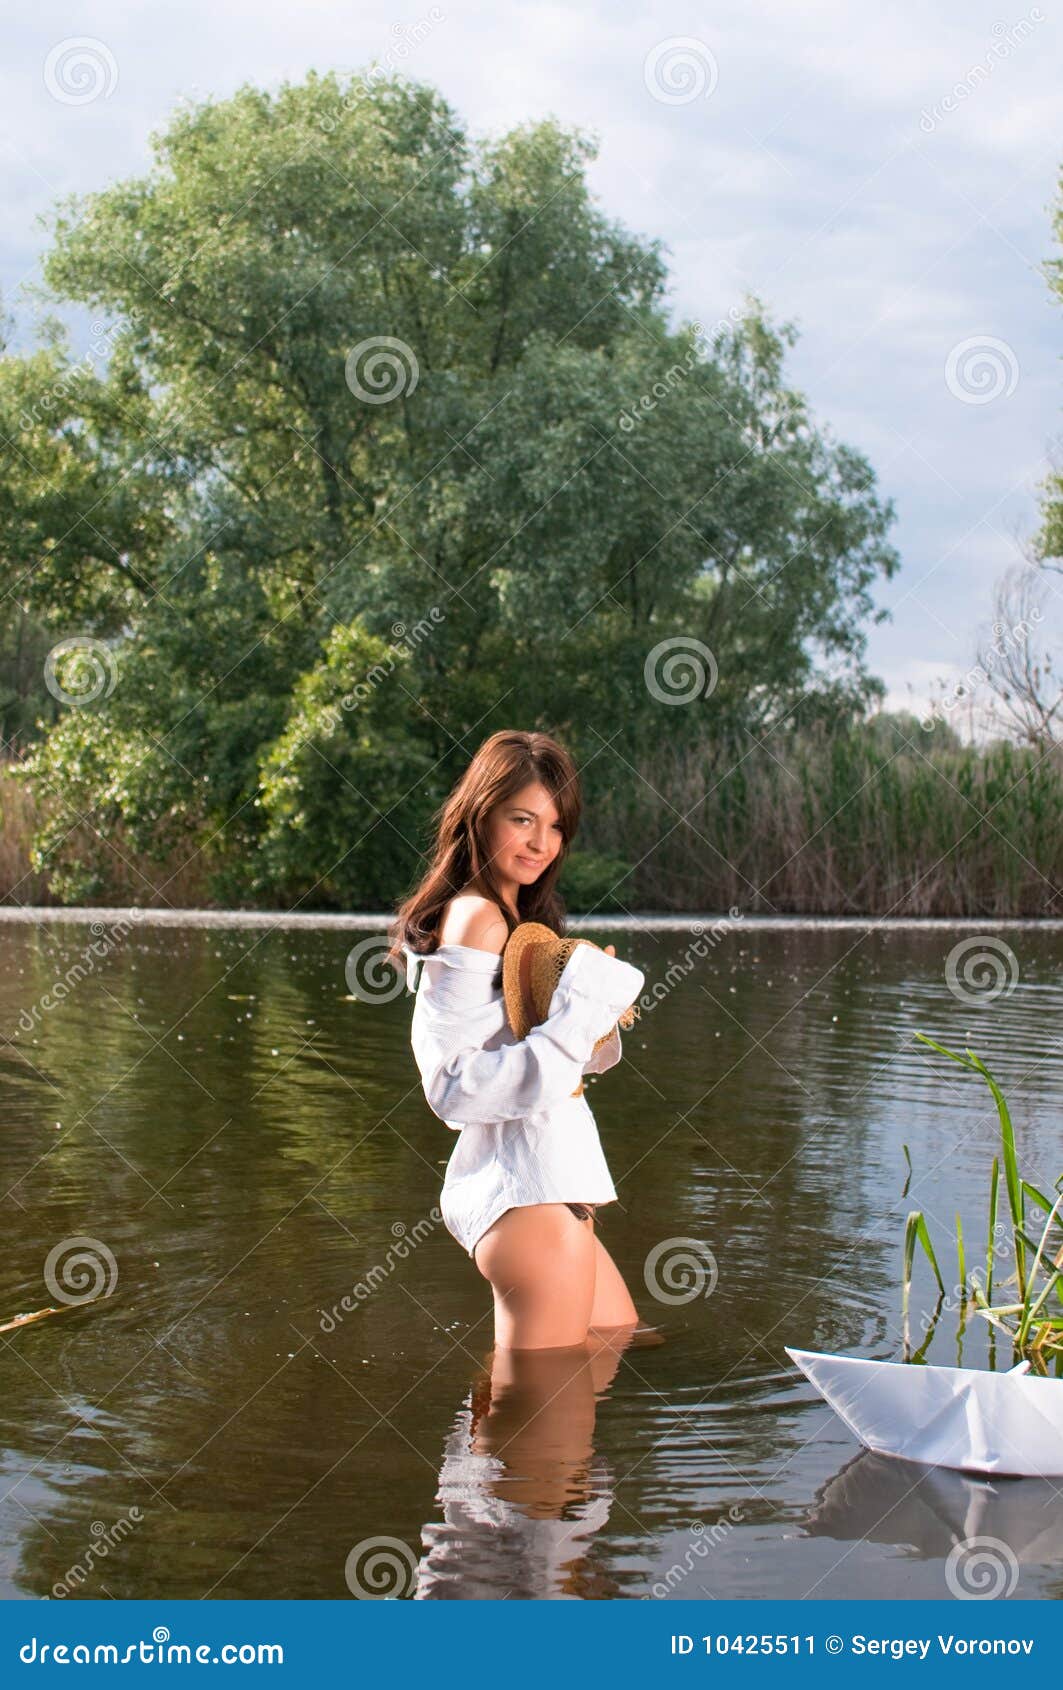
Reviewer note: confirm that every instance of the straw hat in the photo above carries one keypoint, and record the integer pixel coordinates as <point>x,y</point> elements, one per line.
<point>532,963</point>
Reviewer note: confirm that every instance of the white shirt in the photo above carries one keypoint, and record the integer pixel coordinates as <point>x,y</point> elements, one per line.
<point>524,1137</point>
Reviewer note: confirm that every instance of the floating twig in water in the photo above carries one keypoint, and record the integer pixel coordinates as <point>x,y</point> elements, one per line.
<point>26,1319</point>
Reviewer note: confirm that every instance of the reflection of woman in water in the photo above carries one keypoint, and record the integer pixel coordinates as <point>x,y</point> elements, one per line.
<point>522,1493</point>
<point>528,1170</point>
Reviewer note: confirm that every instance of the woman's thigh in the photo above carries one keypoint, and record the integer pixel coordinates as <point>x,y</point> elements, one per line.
<point>612,1304</point>
<point>540,1261</point>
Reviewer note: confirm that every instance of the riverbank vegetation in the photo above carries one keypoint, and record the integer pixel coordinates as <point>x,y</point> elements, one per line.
<point>383,440</point>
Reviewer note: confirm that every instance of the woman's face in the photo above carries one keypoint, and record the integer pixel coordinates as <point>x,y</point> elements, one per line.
<point>524,834</point>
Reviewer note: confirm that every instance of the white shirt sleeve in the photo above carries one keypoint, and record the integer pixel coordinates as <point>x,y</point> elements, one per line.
<point>468,1084</point>
<point>607,1056</point>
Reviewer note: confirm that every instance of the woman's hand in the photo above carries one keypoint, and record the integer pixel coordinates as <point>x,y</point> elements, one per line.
<point>610,950</point>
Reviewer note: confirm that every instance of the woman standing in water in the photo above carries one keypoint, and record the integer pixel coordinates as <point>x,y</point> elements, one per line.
<point>528,1170</point>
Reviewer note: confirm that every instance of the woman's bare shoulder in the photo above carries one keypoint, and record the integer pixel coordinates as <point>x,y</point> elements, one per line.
<point>473,920</point>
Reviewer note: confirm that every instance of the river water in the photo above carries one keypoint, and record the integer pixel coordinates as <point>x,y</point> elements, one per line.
<point>271,1370</point>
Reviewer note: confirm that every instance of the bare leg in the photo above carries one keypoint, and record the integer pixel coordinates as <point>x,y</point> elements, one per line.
<point>611,1305</point>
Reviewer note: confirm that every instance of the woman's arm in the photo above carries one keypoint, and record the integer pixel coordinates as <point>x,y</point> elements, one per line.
<point>467,1084</point>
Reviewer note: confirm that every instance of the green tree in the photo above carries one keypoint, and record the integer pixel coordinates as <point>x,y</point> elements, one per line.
<point>365,376</point>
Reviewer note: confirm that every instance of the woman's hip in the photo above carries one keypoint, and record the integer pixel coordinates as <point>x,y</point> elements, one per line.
<point>530,1240</point>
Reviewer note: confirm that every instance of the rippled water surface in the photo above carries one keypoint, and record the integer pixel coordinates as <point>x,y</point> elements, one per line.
<point>288,1388</point>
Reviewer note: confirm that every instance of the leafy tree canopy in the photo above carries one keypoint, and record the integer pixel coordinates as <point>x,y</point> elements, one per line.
<point>386,415</point>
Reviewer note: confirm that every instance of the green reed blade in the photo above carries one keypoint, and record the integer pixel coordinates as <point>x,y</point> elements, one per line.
<point>1012,1181</point>
<point>915,1231</point>
<point>952,1054</point>
<point>1039,1197</point>
<point>991,1242</point>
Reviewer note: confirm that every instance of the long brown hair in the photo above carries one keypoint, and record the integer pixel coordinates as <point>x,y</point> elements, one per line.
<point>461,859</point>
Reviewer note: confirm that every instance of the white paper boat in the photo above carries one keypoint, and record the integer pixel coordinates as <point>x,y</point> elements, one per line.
<point>962,1417</point>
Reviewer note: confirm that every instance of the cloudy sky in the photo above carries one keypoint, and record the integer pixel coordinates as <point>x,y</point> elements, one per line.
<point>883,177</point>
